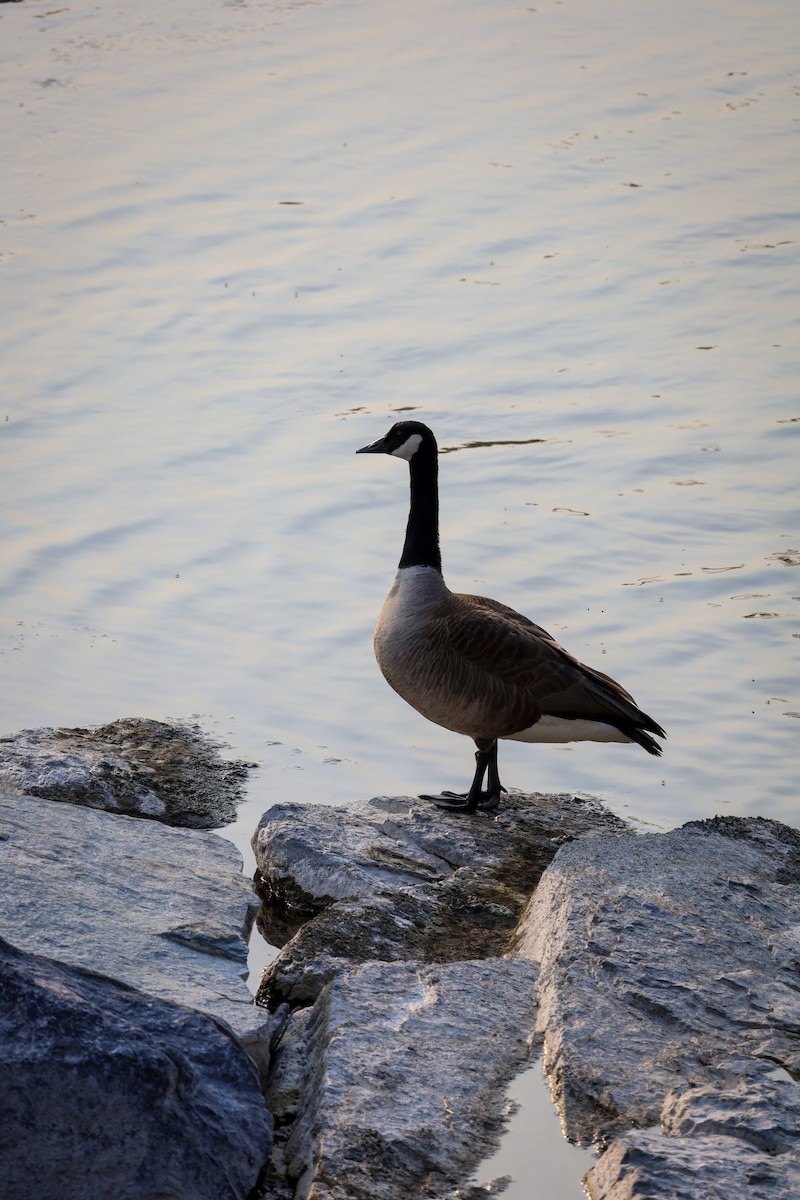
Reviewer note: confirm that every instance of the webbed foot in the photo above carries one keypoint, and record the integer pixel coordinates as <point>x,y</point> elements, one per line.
<point>461,801</point>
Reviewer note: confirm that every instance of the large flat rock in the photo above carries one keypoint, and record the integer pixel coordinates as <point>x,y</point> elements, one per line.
<point>763,1113</point>
<point>393,1081</point>
<point>106,1091</point>
<point>646,1166</point>
<point>740,1140</point>
<point>135,766</point>
<point>312,855</point>
<point>665,959</point>
<point>668,991</point>
<point>164,910</point>
<point>388,1081</point>
<point>397,879</point>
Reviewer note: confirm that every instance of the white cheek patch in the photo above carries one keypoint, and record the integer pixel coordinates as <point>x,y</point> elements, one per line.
<point>409,447</point>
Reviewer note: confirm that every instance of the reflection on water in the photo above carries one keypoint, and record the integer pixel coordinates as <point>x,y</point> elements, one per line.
<point>533,1152</point>
<point>494,442</point>
<point>236,240</point>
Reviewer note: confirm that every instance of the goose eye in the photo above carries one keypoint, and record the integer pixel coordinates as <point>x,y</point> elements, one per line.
<point>409,447</point>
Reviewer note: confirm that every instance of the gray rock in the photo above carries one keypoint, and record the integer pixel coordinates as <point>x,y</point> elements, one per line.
<point>391,1085</point>
<point>741,1140</point>
<point>105,1091</point>
<point>765,1113</point>
<point>312,855</point>
<point>400,926</point>
<point>646,1166</point>
<point>668,966</point>
<point>666,960</point>
<point>163,910</point>
<point>135,766</point>
<point>398,879</point>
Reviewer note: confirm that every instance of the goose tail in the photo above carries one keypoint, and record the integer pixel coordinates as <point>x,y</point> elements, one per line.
<point>639,730</point>
<point>605,700</point>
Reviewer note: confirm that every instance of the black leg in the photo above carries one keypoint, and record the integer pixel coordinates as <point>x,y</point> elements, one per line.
<point>494,787</point>
<point>476,797</point>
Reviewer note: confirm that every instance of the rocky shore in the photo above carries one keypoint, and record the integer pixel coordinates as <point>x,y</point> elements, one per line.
<point>659,971</point>
<point>424,959</point>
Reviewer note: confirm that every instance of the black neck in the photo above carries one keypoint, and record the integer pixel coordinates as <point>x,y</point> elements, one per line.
<point>421,548</point>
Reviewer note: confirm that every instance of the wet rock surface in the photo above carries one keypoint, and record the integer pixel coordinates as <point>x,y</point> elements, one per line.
<point>764,1113</point>
<point>396,879</point>
<point>739,1140</point>
<point>667,993</point>
<point>135,766</point>
<point>132,1053</point>
<point>424,954</point>
<point>646,1166</point>
<point>106,1091</point>
<point>665,959</point>
<point>163,910</point>
<point>408,1020</point>
<point>400,1065</point>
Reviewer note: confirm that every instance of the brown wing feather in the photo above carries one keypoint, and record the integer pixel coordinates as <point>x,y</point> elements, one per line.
<point>522,672</point>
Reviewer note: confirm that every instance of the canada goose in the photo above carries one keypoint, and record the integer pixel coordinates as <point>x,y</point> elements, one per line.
<point>475,665</point>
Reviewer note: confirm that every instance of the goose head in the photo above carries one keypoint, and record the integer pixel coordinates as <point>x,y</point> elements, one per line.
<point>404,440</point>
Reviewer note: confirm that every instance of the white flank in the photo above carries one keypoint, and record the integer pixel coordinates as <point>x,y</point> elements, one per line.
<point>557,729</point>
